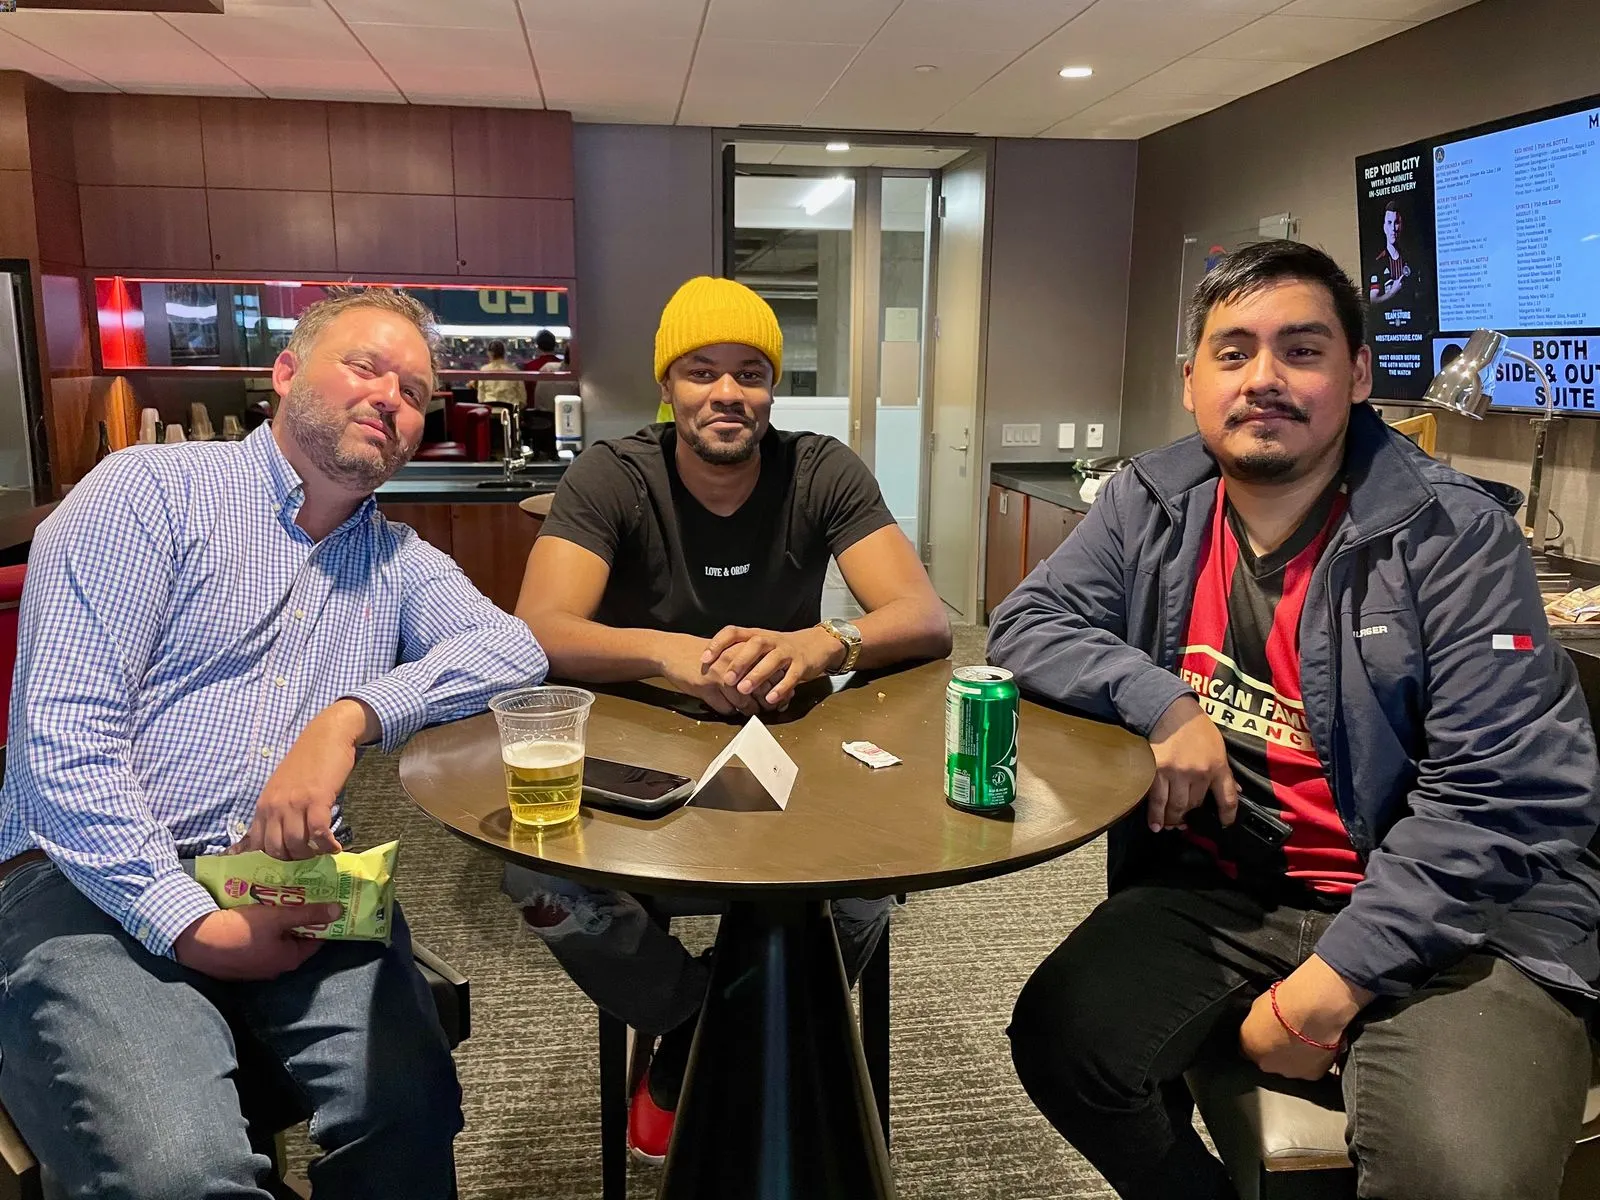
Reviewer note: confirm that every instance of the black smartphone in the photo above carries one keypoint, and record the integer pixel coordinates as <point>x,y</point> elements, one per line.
<point>626,788</point>
<point>1258,824</point>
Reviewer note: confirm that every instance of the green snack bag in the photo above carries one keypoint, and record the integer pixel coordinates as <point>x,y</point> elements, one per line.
<point>363,883</point>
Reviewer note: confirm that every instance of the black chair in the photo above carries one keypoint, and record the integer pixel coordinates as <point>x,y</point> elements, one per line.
<point>619,1075</point>
<point>269,1099</point>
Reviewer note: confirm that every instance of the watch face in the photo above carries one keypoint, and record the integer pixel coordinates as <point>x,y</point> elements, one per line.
<point>845,629</point>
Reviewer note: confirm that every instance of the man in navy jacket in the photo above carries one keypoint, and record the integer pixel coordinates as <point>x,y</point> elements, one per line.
<point>1375,778</point>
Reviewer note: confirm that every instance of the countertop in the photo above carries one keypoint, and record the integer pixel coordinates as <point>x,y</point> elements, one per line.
<point>459,483</point>
<point>1055,483</point>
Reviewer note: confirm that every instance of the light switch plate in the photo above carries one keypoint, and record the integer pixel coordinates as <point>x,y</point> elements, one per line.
<point>1019,435</point>
<point>1066,435</point>
<point>1094,436</point>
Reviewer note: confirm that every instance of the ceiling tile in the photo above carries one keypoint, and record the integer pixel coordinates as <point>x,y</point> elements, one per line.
<point>18,55</point>
<point>1228,77</point>
<point>1030,95</point>
<point>1302,39</point>
<point>760,83</point>
<point>1378,10</point>
<point>310,79</point>
<point>74,35</point>
<point>448,14</point>
<point>449,85</point>
<point>1013,27</point>
<point>883,89</point>
<point>605,78</point>
<point>466,52</point>
<point>1124,116</point>
<point>1158,29</point>
<point>292,33</point>
<point>798,20</point>
<point>189,72</point>
<point>641,18</point>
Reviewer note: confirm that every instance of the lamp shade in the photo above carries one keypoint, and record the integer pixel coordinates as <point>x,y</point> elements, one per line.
<point>1465,385</point>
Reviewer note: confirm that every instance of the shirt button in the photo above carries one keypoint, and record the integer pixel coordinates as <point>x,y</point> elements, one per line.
<point>281,681</point>
<point>237,829</point>
<point>266,752</point>
<point>299,614</point>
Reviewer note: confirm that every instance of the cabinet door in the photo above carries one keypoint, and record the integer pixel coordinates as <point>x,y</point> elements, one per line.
<point>1003,547</point>
<point>532,238</point>
<point>431,521</point>
<point>491,543</point>
<point>271,231</point>
<point>390,148</point>
<point>395,236</point>
<point>512,152</point>
<point>145,228</point>
<point>1045,523</point>
<point>281,145</point>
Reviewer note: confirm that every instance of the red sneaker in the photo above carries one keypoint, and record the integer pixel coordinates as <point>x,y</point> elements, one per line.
<point>649,1125</point>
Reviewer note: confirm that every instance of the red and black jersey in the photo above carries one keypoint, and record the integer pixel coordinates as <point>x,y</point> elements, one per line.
<point>1242,657</point>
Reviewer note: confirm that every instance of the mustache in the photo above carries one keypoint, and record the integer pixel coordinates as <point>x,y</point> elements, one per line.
<point>387,422</point>
<point>1276,408</point>
<point>729,414</point>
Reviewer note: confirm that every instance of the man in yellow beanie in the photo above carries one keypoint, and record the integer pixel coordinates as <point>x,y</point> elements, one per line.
<point>696,550</point>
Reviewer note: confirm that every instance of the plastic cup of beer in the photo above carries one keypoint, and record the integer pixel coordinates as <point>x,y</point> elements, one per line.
<point>541,748</point>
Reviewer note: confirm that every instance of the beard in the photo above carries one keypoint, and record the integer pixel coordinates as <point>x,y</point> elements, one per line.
<point>319,431</point>
<point>718,452</point>
<point>1267,461</point>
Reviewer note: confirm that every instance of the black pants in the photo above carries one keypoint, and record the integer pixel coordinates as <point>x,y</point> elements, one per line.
<point>1472,1087</point>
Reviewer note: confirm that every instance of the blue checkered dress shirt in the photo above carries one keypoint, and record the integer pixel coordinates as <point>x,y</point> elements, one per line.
<point>178,631</point>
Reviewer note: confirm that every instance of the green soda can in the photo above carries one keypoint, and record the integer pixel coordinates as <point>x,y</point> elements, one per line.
<point>980,739</point>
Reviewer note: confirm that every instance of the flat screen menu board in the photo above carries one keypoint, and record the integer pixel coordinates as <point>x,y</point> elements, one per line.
<point>1498,227</point>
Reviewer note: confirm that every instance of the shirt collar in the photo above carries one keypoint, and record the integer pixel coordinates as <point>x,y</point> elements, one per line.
<point>287,489</point>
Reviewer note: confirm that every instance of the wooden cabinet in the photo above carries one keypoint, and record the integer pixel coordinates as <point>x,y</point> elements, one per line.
<point>282,145</point>
<point>145,228</point>
<point>390,148</point>
<point>1048,526</point>
<point>532,238</point>
<point>491,542</point>
<point>270,231</point>
<point>1003,547</point>
<point>132,140</point>
<point>512,152</point>
<point>395,235</point>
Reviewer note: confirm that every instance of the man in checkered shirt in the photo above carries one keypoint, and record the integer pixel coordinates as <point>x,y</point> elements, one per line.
<point>209,632</point>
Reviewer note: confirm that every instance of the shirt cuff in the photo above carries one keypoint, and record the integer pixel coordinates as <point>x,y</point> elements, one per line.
<point>401,709</point>
<point>166,907</point>
<point>1148,697</point>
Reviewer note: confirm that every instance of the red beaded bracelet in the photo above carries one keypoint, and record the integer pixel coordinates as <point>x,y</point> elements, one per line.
<point>1334,1048</point>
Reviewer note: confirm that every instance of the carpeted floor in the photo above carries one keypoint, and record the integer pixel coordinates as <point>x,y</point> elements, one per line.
<point>962,1127</point>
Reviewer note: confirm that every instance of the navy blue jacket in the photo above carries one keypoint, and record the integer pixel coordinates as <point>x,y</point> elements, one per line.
<point>1465,774</point>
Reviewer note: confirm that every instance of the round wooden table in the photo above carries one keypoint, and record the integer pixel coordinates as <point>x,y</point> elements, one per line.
<point>776,1100</point>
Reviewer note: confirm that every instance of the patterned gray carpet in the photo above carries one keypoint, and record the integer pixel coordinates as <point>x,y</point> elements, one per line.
<point>962,1127</point>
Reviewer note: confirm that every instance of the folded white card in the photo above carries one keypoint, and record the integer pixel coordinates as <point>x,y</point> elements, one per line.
<point>753,757</point>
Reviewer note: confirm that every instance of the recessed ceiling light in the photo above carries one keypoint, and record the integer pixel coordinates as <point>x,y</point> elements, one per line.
<point>838,147</point>
<point>925,68</point>
<point>1076,72</point>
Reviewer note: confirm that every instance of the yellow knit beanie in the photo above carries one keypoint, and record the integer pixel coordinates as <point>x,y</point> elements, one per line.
<point>708,311</point>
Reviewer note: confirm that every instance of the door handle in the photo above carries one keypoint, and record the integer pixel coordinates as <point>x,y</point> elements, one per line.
<point>962,449</point>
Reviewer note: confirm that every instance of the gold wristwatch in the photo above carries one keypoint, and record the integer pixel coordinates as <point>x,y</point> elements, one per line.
<point>851,637</point>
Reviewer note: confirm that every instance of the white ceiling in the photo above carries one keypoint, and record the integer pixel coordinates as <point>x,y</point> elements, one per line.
<point>778,202</point>
<point>827,64</point>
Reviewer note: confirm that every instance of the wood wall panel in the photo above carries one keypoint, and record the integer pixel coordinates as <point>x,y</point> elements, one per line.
<point>145,228</point>
<point>395,235</point>
<point>270,231</point>
<point>281,144</point>
<point>60,225</point>
<point>18,236</point>
<point>14,154</point>
<point>50,130</point>
<point>64,316</point>
<point>512,152</point>
<point>390,148</point>
<point>514,237</point>
<point>137,140</point>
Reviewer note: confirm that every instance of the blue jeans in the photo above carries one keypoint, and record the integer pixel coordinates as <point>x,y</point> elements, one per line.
<point>118,1067</point>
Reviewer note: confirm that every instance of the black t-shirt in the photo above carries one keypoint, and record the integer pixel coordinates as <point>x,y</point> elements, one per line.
<point>677,567</point>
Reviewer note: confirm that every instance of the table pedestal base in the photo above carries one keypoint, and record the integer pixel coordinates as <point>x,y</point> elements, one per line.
<point>776,1104</point>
